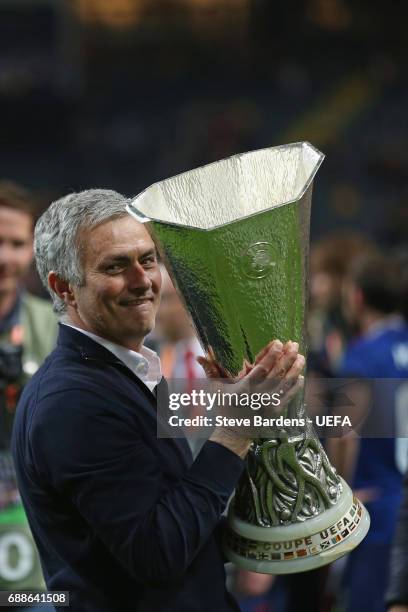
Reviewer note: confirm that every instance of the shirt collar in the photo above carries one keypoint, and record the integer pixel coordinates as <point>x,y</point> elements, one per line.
<point>146,364</point>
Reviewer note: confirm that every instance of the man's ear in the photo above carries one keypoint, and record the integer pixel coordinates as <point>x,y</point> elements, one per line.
<point>62,288</point>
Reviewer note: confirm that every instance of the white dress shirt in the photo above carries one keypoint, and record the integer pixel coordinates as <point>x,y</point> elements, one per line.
<point>146,364</point>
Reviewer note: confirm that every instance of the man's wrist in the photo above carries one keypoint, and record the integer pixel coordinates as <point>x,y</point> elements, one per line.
<point>231,440</point>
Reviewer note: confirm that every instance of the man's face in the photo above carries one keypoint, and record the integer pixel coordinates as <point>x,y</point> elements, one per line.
<point>121,292</point>
<point>16,247</point>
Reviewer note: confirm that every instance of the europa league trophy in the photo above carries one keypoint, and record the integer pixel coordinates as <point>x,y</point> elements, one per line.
<point>234,236</point>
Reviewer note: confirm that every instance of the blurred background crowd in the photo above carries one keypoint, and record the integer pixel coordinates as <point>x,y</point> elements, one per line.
<point>122,93</point>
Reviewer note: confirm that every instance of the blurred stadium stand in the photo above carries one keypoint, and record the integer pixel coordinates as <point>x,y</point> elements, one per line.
<point>121,94</point>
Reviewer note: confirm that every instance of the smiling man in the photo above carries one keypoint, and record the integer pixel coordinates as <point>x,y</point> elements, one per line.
<point>123,520</point>
<point>119,295</point>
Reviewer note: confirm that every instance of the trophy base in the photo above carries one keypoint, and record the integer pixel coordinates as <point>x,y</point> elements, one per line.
<point>298,547</point>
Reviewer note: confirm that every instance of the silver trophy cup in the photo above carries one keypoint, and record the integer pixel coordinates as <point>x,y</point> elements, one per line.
<point>234,236</point>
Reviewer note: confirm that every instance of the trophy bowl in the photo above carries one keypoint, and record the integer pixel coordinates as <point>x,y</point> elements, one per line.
<point>234,236</point>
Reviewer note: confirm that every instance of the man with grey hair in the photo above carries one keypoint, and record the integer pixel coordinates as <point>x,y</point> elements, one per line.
<point>122,520</point>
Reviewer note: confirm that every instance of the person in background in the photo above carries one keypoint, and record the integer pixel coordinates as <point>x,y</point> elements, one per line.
<point>178,344</point>
<point>330,259</point>
<point>254,591</point>
<point>178,347</point>
<point>28,326</point>
<point>397,591</point>
<point>400,257</point>
<point>28,329</point>
<point>372,457</point>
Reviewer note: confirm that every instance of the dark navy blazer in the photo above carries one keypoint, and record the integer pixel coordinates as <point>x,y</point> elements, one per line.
<point>122,520</point>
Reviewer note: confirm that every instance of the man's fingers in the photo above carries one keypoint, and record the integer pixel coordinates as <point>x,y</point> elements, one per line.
<point>267,359</point>
<point>274,343</point>
<point>257,374</point>
<point>274,361</point>
<point>246,368</point>
<point>286,361</point>
<point>296,368</point>
<point>209,367</point>
<point>212,369</point>
<point>292,381</point>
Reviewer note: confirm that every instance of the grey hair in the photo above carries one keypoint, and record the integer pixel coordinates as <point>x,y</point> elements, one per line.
<point>57,244</point>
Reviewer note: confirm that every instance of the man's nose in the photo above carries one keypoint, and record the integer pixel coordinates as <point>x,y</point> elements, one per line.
<point>138,277</point>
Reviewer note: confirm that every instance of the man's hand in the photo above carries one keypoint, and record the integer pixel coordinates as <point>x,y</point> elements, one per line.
<point>276,361</point>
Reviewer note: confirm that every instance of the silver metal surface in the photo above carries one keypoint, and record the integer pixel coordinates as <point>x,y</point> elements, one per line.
<point>234,236</point>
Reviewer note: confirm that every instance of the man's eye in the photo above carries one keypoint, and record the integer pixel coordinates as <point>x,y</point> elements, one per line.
<point>148,261</point>
<point>18,244</point>
<point>114,268</point>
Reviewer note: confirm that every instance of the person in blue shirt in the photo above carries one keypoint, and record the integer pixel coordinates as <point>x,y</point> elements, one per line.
<point>375,455</point>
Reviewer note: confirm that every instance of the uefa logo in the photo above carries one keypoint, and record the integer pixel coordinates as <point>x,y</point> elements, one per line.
<point>259,260</point>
